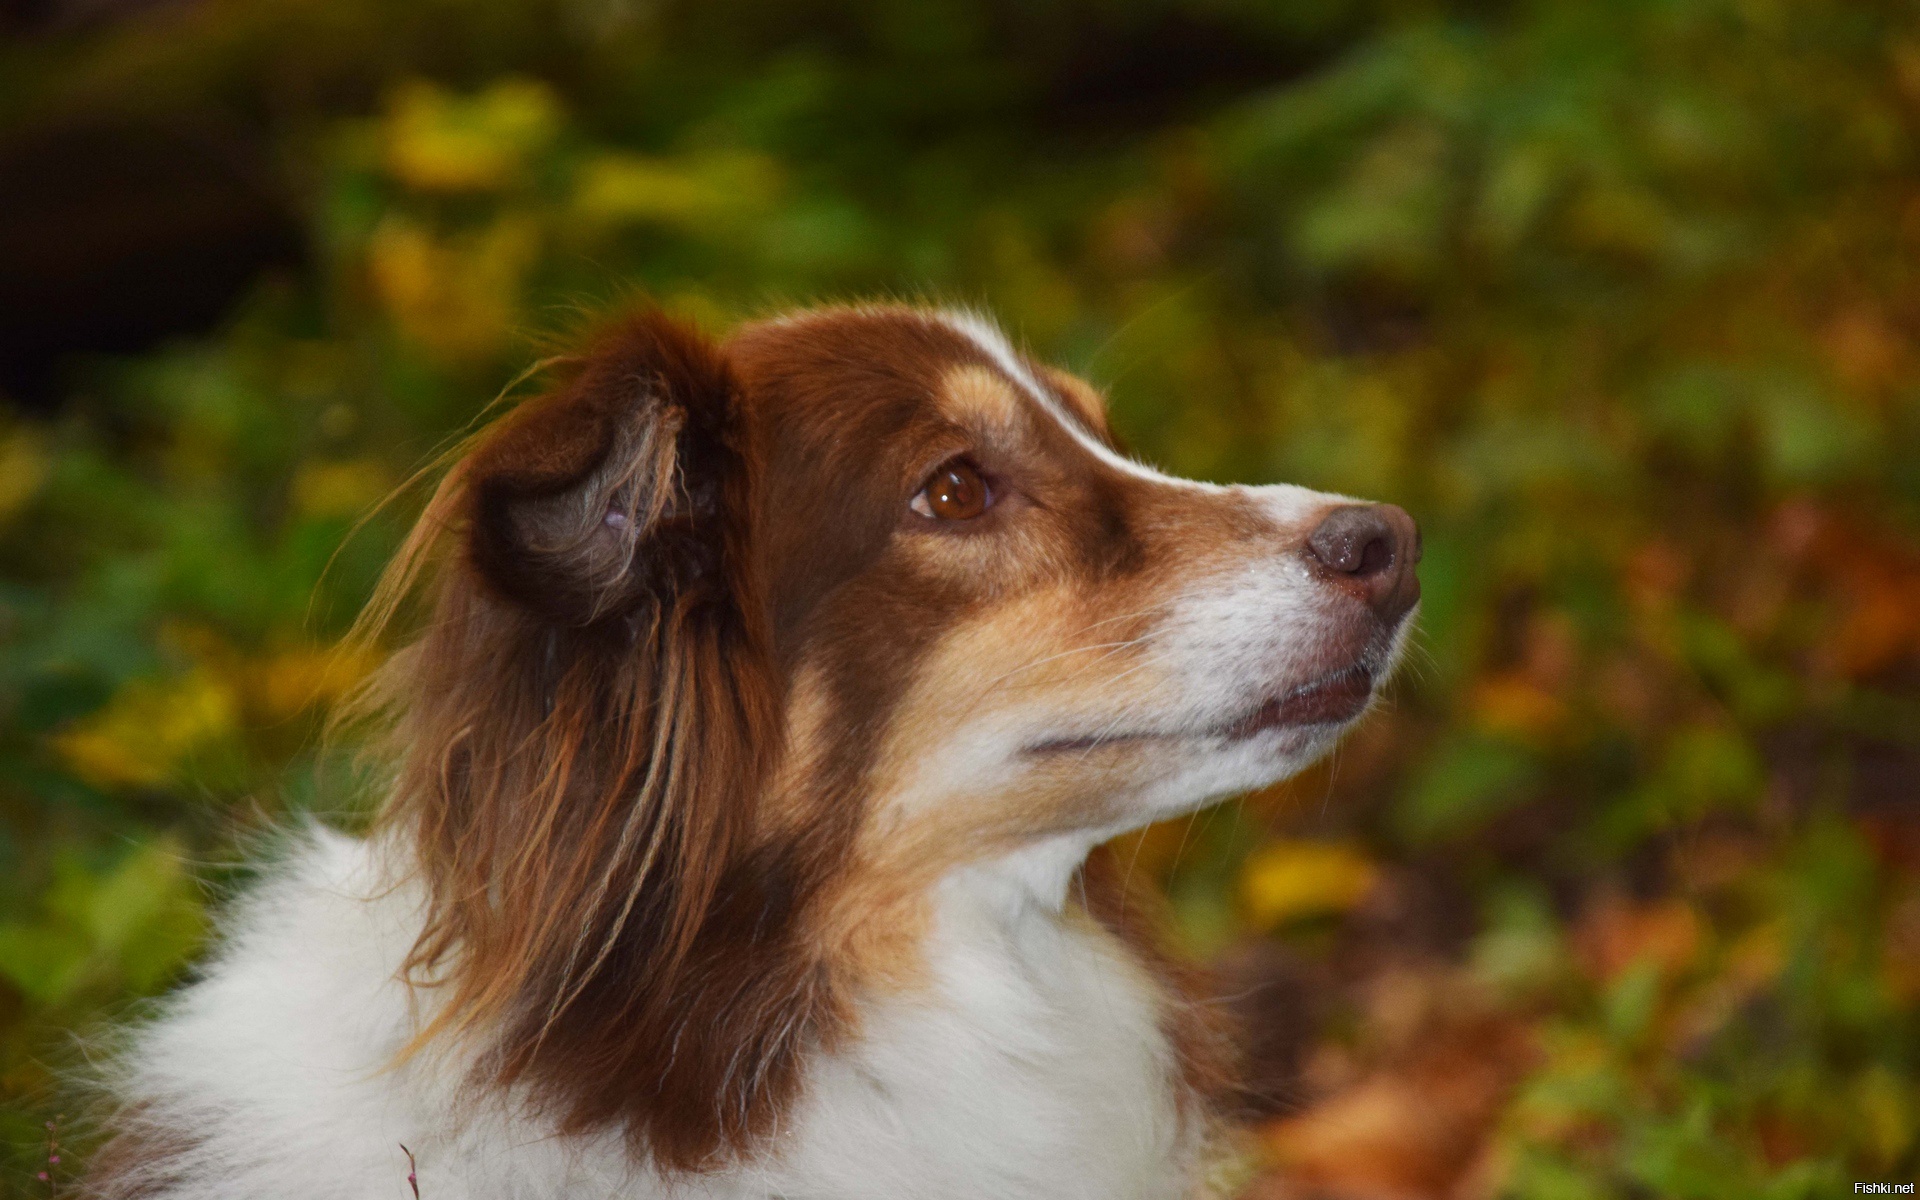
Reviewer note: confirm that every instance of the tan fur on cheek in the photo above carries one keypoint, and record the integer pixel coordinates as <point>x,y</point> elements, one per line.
<point>1005,679</point>
<point>792,795</point>
<point>875,924</point>
<point>870,921</point>
<point>1046,653</point>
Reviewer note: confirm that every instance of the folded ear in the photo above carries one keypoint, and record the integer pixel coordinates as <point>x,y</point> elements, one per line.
<point>612,489</point>
<point>582,733</point>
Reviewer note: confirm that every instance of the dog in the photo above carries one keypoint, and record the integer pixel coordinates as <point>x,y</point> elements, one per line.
<point>773,697</point>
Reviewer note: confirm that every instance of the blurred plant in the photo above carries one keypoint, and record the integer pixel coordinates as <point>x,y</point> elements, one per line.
<point>51,1175</point>
<point>1620,897</point>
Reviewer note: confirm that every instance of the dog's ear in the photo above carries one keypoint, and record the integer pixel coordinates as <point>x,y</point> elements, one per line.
<point>613,489</point>
<point>584,731</point>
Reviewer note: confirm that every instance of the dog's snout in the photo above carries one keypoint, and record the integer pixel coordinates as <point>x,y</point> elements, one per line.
<point>1371,550</point>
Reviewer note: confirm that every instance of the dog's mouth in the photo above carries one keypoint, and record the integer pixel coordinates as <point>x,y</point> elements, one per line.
<point>1334,700</point>
<point>1330,700</point>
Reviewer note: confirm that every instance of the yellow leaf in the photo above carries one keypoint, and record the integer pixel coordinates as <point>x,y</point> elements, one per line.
<point>1757,958</point>
<point>1288,879</point>
<point>616,188</point>
<point>1517,707</point>
<point>436,141</point>
<point>339,489</point>
<point>1621,218</point>
<point>292,680</point>
<point>23,468</point>
<point>149,729</point>
<point>457,297</point>
<point>1887,1114</point>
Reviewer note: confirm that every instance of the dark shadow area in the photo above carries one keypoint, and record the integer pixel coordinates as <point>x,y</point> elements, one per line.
<point>116,235</point>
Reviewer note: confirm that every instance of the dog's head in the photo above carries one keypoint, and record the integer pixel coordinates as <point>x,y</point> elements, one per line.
<point>745,647</point>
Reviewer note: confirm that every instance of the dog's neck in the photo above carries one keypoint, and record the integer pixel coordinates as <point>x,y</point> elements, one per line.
<point>1017,887</point>
<point>1034,1050</point>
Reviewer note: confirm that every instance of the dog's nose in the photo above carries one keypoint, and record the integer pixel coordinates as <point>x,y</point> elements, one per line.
<point>1370,549</point>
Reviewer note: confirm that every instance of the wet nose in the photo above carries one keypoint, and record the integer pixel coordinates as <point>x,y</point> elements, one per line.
<point>1370,549</point>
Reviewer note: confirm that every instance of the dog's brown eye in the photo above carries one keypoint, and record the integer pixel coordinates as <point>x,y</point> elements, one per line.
<point>955,493</point>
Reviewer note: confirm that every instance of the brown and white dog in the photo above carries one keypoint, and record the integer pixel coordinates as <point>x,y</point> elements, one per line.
<point>775,693</point>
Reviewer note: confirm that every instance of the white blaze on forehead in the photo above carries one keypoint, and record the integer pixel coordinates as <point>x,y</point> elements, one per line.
<point>1291,506</point>
<point>986,336</point>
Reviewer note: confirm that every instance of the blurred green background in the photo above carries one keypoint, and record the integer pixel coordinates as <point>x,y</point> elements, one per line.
<point>1621,895</point>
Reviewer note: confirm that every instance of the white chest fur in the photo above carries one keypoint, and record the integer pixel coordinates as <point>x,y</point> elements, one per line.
<point>1033,1067</point>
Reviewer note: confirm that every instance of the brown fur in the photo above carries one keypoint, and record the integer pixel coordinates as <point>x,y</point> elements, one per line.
<point>583,726</point>
<point>138,1161</point>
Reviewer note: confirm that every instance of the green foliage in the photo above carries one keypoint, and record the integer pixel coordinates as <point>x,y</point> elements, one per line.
<point>1616,297</point>
<point>124,928</point>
